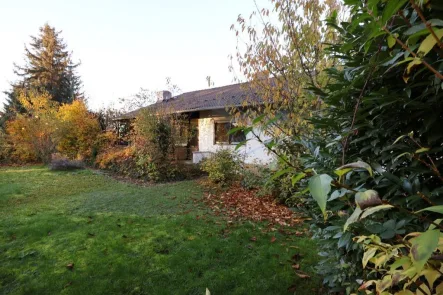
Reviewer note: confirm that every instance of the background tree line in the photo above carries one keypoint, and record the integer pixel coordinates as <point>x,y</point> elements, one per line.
<point>46,110</point>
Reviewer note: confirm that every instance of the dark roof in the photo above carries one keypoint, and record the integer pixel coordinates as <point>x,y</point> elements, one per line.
<point>208,99</point>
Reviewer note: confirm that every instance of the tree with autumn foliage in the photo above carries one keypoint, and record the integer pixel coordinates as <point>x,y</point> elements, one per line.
<point>282,54</point>
<point>48,68</point>
<point>281,60</point>
<point>46,127</point>
<point>33,134</point>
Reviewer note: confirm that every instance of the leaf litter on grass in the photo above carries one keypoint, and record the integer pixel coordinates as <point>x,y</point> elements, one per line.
<point>238,203</point>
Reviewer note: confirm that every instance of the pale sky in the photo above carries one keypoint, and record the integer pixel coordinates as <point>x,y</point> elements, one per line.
<point>127,44</point>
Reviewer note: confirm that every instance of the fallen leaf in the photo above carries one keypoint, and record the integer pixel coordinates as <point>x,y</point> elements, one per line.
<point>253,239</point>
<point>302,275</point>
<point>296,266</point>
<point>273,239</point>
<point>241,204</point>
<point>70,266</point>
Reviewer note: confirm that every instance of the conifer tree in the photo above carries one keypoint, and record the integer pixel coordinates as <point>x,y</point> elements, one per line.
<point>48,68</point>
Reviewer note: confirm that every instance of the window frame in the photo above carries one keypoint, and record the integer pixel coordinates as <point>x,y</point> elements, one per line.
<point>229,136</point>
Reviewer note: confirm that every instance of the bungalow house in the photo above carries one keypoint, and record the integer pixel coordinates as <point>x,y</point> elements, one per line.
<point>208,113</point>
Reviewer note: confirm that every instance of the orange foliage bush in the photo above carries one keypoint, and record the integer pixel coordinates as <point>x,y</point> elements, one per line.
<point>78,130</point>
<point>46,127</point>
<point>32,134</point>
<point>120,160</point>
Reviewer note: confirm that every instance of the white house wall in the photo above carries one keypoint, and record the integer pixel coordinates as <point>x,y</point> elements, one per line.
<point>252,153</point>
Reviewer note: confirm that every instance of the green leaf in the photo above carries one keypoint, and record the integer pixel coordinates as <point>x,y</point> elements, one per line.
<point>258,119</point>
<point>368,255</point>
<point>320,186</point>
<point>422,247</point>
<point>391,8</point>
<point>272,121</point>
<point>280,173</point>
<point>422,26</point>
<point>391,40</point>
<point>240,144</point>
<point>338,194</point>
<point>353,218</point>
<point>297,178</point>
<point>399,262</point>
<point>393,178</point>
<point>372,210</point>
<point>341,172</point>
<point>401,155</point>
<point>345,239</point>
<point>436,209</point>
<point>234,130</point>
<point>429,42</point>
<point>422,150</point>
<point>437,221</point>
<point>372,6</point>
<point>431,276</point>
<point>399,138</point>
<point>366,199</point>
<point>394,59</point>
<point>358,164</point>
<point>415,29</point>
<point>411,65</point>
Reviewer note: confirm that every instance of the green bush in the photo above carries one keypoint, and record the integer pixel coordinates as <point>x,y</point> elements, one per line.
<point>254,177</point>
<point>157,133</point>
<point>223,167</point>
<point>379,138</point>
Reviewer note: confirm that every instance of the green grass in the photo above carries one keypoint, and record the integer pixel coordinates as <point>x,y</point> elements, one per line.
<point>127,239</point>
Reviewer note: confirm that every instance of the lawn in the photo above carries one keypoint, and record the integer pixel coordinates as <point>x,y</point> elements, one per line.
<point>85,233</point>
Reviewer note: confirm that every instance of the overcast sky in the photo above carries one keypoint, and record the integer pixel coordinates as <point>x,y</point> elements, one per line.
<point>127,44</point>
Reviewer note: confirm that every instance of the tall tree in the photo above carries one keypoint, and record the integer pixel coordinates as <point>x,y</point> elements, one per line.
<point>282,54</point>
<point>48,68</point>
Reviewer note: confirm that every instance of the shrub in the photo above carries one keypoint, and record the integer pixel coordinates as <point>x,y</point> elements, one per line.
<point>131,162</point>
<point>157,133</point>
<point>64,164</point>
<point>46,127</point>
<point>251,179</point>
<point>120,160</point>
<point>33,134</point>
<point>375,157</point>
<point>259,178</point>
<point>223,167</point>
<point>77,130</point>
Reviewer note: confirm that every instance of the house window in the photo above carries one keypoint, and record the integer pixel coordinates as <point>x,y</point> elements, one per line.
<point>221,133</point>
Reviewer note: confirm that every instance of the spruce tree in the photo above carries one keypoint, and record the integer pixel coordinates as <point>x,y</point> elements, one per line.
<point>48,68</point>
